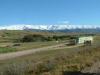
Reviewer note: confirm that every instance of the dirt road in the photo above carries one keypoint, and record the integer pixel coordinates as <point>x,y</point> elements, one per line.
<point>27,52</point>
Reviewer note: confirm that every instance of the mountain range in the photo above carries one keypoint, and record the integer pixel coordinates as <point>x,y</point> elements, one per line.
<point>47,27</point>
<point>62,28</point>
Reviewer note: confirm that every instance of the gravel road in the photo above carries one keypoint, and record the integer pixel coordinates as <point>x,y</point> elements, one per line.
<point>27,52</point>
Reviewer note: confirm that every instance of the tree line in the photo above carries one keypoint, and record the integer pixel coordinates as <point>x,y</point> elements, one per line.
<point>38,37</point>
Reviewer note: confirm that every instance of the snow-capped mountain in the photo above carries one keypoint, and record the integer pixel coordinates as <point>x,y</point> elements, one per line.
<point>48,27</point>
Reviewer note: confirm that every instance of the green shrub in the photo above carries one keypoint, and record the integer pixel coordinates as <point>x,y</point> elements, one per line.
<point>7,49</point>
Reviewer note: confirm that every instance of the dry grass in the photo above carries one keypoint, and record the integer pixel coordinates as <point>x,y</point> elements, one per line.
<point>9,47</point>
<point>8,37</point>
<point>53,62</point>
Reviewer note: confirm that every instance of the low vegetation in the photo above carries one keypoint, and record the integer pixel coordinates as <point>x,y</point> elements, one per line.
<point>36,38</point>
<point>11,41</point>
<point>53,62</point>
<point>7,49</point>
<point>16,35</point>
<point>13,47</point>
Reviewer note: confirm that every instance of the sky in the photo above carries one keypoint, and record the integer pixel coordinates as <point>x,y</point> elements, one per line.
<point>49,12</point>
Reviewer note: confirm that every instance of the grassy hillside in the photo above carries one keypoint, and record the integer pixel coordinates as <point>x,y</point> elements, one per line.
<point>11,35</point>
<point>53,62</point>
<point>8,40</point>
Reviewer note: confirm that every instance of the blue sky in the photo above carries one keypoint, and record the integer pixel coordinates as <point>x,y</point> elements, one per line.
<point>49,12</point>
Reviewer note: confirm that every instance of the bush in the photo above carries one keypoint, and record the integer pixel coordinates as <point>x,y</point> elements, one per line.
<point>7,49</point>
<point>27,38</point>
<point>38,37</point>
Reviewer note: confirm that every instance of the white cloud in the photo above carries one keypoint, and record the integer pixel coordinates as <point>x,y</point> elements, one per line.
<point>64,22</point>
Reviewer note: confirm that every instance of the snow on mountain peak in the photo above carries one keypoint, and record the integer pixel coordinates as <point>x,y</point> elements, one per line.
<point>47,27</point>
